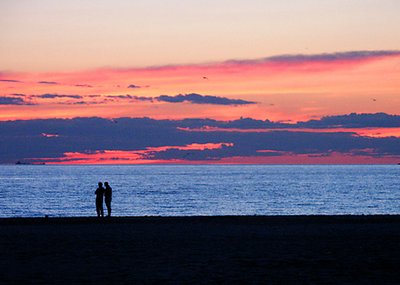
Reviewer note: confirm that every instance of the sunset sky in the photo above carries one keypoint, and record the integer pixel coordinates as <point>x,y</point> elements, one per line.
<point>288,62</point>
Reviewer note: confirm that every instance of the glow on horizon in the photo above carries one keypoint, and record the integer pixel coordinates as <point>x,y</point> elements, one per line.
<point>137,157</point>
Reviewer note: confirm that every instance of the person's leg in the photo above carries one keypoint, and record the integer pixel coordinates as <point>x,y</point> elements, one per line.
<point>98,211</point>
<point>108,204</point>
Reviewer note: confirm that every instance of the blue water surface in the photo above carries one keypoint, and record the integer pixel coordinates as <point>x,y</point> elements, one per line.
<point>185,190</point>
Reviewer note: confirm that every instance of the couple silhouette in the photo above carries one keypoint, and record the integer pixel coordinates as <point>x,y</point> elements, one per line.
<point>107,194</point>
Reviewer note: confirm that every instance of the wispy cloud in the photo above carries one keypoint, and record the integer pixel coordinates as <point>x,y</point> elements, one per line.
<point>130,97</point>
<point>52,96</point>
<point>48,82</point>
<point>81,103</point>
<point>9,80</point>
<point>83,85</point>
<point>323,57</point>
<point>126,96</point>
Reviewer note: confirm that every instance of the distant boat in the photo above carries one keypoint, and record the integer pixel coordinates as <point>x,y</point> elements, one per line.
<point>22,163</point>
<point>28,163</point>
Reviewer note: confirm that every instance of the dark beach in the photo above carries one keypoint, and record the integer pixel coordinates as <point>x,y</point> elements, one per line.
<point>201,250</point>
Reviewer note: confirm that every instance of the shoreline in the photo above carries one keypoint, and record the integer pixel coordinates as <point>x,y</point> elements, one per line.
<point>222,218</point>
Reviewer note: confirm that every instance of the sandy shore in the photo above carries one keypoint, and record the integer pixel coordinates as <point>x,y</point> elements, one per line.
<point>201,250</point>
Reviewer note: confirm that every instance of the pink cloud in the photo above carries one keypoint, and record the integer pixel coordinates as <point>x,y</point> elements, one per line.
<point>127,157</point>
<point>50,135</point>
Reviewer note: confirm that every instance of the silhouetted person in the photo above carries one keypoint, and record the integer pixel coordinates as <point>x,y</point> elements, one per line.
<point>99,200</point>
<point>108,197</point>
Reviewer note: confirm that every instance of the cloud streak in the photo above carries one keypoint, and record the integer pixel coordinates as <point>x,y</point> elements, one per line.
<point>48,82</point>
<point>317,58</point>
<point>130,97</point>
<point>202,99</point>
<point>53,96</point>
<point>83,85</point>
<point>10,80</point>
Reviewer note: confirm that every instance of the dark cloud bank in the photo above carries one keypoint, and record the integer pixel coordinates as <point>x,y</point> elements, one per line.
<point>24,140</point>
<point>4,100</point>
<point>355,121</point>
<point>202,99</point>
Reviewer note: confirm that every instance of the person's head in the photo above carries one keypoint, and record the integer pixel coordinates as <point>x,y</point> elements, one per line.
<point>105,183</point>
<point>100,184</point>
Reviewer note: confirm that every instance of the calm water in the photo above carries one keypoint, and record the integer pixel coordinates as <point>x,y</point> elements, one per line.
<point>169,190</point>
